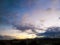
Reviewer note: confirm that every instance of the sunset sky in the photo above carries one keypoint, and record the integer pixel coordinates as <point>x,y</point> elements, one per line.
<point>23,19</point>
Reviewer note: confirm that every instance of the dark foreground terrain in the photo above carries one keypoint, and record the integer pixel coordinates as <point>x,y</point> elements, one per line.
<point>36,41</point>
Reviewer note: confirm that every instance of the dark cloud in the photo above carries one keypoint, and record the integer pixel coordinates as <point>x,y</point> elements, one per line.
<point>53,29</point>
<point>6,37</point>
<point>51,32</point>
<point>26,27</point>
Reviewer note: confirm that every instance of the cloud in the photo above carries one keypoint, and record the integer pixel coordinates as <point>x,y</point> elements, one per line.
<point>10,31</point>
<point>52,32</point>
<point>39,19</point>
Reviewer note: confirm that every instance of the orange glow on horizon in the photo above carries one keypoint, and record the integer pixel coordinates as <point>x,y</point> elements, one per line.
<point>24,36</point>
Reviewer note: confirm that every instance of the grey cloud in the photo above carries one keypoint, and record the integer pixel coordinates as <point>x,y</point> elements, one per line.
<point>25,27</point>
<point>51,32</point>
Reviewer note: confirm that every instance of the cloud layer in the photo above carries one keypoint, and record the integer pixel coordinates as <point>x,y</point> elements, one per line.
<point>26,18</point>
<point>14,33</point>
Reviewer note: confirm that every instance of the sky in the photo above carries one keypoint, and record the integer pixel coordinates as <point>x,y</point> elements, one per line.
<point>26,18</point>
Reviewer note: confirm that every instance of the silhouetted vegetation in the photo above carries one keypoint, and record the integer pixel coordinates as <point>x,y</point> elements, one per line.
<point>36,41</point>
